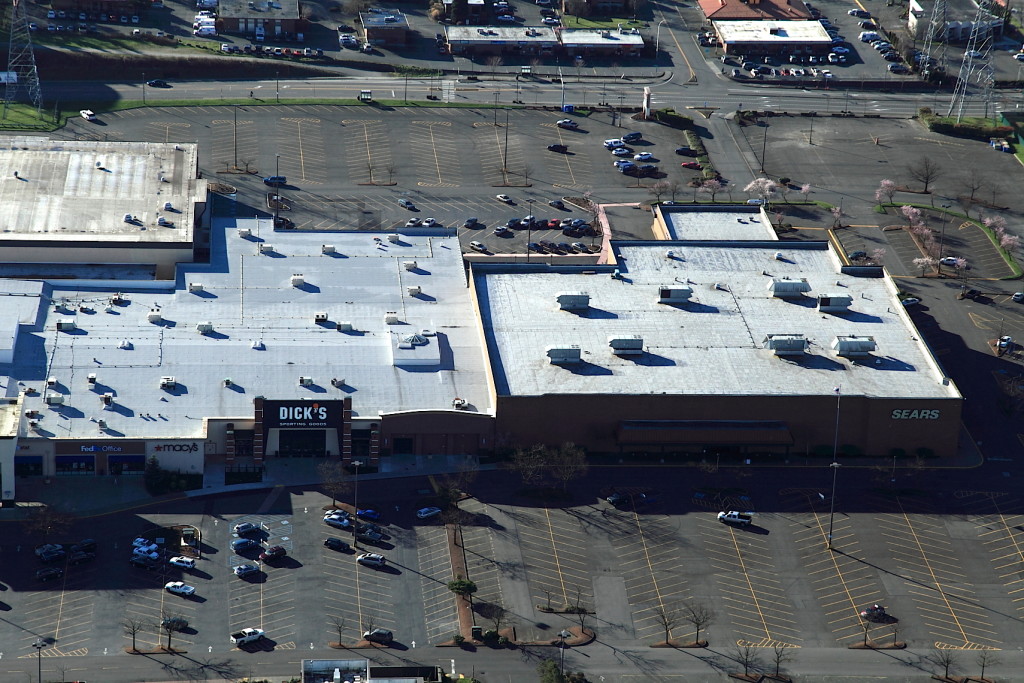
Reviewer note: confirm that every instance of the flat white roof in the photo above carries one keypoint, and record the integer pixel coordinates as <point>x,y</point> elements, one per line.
<point>249,297</point>
<point>717,223</point>
<point>772,32</point>
<point>80,190</point>
<point>713,345</point>
<point>591,38</point>
<point>501,35</point>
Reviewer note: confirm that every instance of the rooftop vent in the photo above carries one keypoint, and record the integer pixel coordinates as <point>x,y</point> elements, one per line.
<point>195,287</point>
<point>327,249</point>
<point>154,316</point>
<point>320,317</point>
<point>168,382</point>
<point>101,424</point>
<point>91,378</point>
<point>65,325</point>
<point>414,290</point>
<point>834,302</point>
<point>786,344</point>
<point>671,295</point>
<point>306,381</point>
<point>125,345</point>
<point>244,232</point>
<point>298,280</point>
<point>562,355</point>
<point>390,318</point>
<point>410,265</point>
<point>626,346</point>
<point>394,238</point>
<point>258,345</point>
<point>573,301</point>
<point>54,399</point>
<point>227,382</point>
<point>204,327</point>
<point>107,398</point>
<point>344,326</point>
<point>51,381</point>
<point>853,346</point>
<point>168,206</point>
<point>785,288</point>
<point>266,248</point>
<point>163,221</point>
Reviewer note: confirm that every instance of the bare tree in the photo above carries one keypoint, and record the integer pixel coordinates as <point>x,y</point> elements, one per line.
<point>781,654</point>
<point>925,171</point>
<point>369,622</point>
<point>972,181</point>
<point>658,189</point>
<point>566,463</point>
<point>132,627</point>
<point>985,659</point>
<point>495,61</point>
<point>896,628</point>
<point>865,626</point>
<point>333,479</point>
<point>673,188</point>
<point>494,613</point>
<point>669,617</point>
<point>390,168</point>
<point>169,626</point>
<point>947,658</point>
<point>699,616</point>
<point>338,624</point>
<point>530,463</point>
<point>44,521</point>
<point>748,657</point>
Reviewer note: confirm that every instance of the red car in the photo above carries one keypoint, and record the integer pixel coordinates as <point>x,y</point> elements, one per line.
<point>273,553</point>
<point>553,224</point>
<point>691,164</point>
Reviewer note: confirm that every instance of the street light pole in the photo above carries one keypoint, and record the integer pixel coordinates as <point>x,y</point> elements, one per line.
<point>657,46</point>
<point>764,146</point>
<point>562,635</point>
<point>39,645</point>
<point>143,87</point>
<point>355,504</point>
<point>942,235</point>
<point>561,82</point>
<point>835,467</point>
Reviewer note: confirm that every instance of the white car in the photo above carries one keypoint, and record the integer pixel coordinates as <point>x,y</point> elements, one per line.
<point>621,151</point>
<point>427,513</point>
<point>567,123</point>
<point>183,562</point>
<point>430,222</point>
<point>1019,56</point>
<point>643,156</point>
<point>738,518</point>
<point>477,246</point>
<point>911,301</point>
<point>840,50</point>
<point>180,588</point>
<point>372,560</point>
<point>613,143</point>
<point>948,260</point>
<point>87,114</point>
<point>413,223</point>
<point>503,198</point>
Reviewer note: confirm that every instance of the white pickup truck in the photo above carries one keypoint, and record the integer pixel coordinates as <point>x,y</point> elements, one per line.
<point>734,517</point>
<point>246,635</point>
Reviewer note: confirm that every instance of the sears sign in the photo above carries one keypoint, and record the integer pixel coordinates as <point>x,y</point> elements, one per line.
<point>302,414</point>
<point>915,414</point>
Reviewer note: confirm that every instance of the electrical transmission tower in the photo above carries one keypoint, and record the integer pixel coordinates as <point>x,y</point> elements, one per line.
<point>21,62</point>
<point>978,44</point>
<point>936,30</point>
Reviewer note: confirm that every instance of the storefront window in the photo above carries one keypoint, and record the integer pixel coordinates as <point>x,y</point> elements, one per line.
<point>75,464</point>
<point>28,465</point>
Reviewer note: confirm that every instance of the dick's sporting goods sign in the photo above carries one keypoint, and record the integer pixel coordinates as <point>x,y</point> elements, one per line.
<point>302,414</point>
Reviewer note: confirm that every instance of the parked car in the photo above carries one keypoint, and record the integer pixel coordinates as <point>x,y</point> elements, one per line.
<point>335,543</point>
<point>379,635</point>
<point>240,544</point>
<point>737,518</point>
<point>49,574</point>
<point>567,123</point>
<point>558,148</point>
<point>695,165</point>
<point>477,246</point>
<point>244,528</point>
<point>87,545</point>
<point>183,562</point>
<point>374,560</point>
<point>406,204</point>
<point>245,569</point>
<point>503,198</point>
<point>142,562</point>
<point>910,301</point>
<point>273,552</point>
<point>81,557</point>
<point>557,203</point>
<point>179,588</point>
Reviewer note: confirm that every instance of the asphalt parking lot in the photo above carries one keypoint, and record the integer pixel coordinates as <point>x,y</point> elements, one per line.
<point>348,167</point>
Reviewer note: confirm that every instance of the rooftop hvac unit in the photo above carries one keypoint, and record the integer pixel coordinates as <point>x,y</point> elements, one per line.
<point>562,355</point>
<point>107,398</point>
<point>414,290</point>
<point>51,381</point>
<point>54,399</point>
<point>101,424</point>
<point>459,404</point>
<point>125,345</point>
<point>410,265</point>
<point>227,381</point>
<point>266,248</point>
<point>168,206</point>
<point>344,326</point>
<point>65,325</point>
<point>258,345</point>
<point>244,232</point>
<point>337,382</point>
<point>852,346</point>
<point>168,382</point>
<point>118,299</point>
<point>672,295</point>
<point>33,424</point>
<point>834,302</point>
<point>195,287</point>
<point>91,378</point>
<point>306,381</point>
<point>394,238</point>
<point>626,346</point>
<point>154,316</point>
<point>573,301</point>
<point>163,221</point>
<point>320,317</point>
<point>785,288</point>
<point>204,327</point>
<point>298,280</point>
<point>786,344</point>
<point>327,249</point>
<point>390,318</point>
<point>31,413</point>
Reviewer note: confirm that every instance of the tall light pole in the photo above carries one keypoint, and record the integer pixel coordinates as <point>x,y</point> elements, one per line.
<point>143,87</point>
<point>657,46</point>
<point>277,188</point>
<point>355,504</point>
<point>529,231</point>
<point>39,645</point>
<point>942,235</point>
<point>764,146</point>
<point>562,635</point>
<point>561,82</point>
<point>277,86</point>
<point>834,466</point>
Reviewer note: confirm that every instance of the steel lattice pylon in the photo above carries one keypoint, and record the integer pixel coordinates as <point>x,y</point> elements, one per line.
<point>936,30</point>
<point>977,43</point>
<point>21,61</point>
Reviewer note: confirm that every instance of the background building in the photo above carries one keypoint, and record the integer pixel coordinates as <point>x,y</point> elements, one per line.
<point>754,10</point>
<point>960,18</point>
<point>278,18</point>
<point>782,38</point>
<point>388,27</point>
